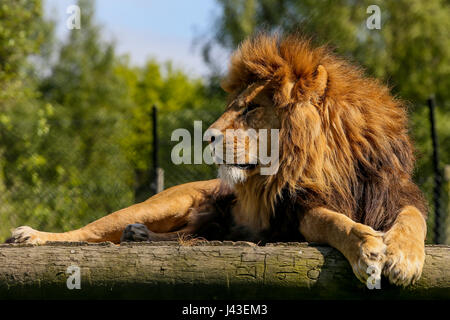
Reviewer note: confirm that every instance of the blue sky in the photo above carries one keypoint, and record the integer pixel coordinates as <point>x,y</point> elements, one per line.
<point>161,29</point>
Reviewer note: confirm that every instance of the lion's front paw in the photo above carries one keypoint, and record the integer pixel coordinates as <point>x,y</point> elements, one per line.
<point>405,257</point>
<point>369,254</point>
<point>25,234</point>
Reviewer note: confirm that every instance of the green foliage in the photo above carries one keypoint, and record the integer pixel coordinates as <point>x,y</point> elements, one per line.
<point>87,174</point>
<point>23,32</point>
<point>180,100</point>
<point>75,134</point>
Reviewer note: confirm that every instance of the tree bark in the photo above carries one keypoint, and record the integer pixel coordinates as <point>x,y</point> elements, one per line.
<point>206,270</point>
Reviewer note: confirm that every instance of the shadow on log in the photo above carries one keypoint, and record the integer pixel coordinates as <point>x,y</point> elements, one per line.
<point>207,270</point>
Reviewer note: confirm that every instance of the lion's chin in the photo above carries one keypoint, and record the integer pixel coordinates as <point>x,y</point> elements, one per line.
<point>232,175</point>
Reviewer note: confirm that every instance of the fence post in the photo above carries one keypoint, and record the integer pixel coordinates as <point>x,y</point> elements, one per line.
<point>158,172</point>
<point>447,213</point>
<point>437,173</point>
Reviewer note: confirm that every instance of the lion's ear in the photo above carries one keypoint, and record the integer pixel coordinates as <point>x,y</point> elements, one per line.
<point>320,80</point>
<point>315,86</point>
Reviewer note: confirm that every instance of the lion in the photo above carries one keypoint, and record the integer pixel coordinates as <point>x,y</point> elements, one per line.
<point>343,178</point>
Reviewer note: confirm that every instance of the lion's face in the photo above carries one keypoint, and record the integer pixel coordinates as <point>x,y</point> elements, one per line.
<point>273,114</point>
<point>244,138</point>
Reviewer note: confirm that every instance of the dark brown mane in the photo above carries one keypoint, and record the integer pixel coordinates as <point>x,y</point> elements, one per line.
<point>346,149</point>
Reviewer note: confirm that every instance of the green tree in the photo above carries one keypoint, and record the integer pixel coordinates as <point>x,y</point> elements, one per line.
<point>180,101</point>
<point>23,32</point>
<point>87,173</point>
<point>75,130</point>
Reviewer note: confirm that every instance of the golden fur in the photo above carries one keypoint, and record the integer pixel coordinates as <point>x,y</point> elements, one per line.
<point>345,146</point>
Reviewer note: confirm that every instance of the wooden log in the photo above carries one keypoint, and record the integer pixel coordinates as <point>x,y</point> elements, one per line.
<point>206,270</point>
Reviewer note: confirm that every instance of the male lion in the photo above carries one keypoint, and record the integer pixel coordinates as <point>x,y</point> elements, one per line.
<point>344,175</point>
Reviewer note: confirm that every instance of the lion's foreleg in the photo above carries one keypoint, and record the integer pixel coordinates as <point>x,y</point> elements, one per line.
<point>360,244</point>
<point>162,213</point>
<point>405,254</point>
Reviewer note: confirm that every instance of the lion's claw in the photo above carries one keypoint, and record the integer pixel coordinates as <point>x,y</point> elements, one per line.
<point>24,234</point>
<point>404,260</point>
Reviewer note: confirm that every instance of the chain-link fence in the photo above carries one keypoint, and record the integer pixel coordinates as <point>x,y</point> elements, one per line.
<point>54,179</point>
<point>62,174</point>
<point>175,174</point>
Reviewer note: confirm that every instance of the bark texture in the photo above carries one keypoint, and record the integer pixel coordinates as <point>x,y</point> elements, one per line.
<point>211,270</point>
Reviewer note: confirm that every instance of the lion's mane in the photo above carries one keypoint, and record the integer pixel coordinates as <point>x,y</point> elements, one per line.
<point>346,148</point>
